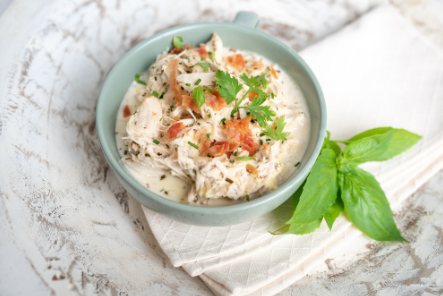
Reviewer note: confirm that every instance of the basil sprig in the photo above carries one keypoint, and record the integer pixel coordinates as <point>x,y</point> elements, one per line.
<point>337,185</point>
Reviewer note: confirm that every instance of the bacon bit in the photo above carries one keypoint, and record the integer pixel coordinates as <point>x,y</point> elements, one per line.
<point>273,72</point>
<point>180,98</point>
<point>215,100</point>
<point>175,129</point>
<point>238,132</point>
<point>205,143</point>
<point>248,144</point>
<point>251,169</point>
<point>188,102</point>
<point>126,111</point>
<point>252,95</point>
<point>202,51</point>
<point>257,64</point>
<point>237,61</point>
<point>176,50</point>
<point>220,148</point>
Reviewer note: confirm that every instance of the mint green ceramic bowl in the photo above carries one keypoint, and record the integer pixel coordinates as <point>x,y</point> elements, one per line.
<point>240,34</point>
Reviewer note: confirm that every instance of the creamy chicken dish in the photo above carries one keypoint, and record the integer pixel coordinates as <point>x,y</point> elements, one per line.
<point>210,125</point>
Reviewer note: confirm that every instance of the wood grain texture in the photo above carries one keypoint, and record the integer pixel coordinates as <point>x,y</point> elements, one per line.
<point>66,225</point>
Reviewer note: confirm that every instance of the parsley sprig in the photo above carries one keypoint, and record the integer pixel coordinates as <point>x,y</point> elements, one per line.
<point>275,131</point>
<point>229,87</point>
<point>261,113</point>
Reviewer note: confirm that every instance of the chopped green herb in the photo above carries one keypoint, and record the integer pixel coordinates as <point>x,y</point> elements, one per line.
<point>137,78</point>
<point>193,145</point>
<point>223,121</point>
<point>155,94</point>
<point>198,96</point>
<point>205,66</point>
<point>197,82</point>
<point>245,158</point>
<point>208,135</point>
<point>155,141</point>
<point>187,84</point>
<point>177,41</point>
<point>211,55</point>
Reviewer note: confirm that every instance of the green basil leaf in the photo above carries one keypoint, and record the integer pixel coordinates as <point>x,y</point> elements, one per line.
<point>333,212</point>
<point>378,145</point>
<point>334,146</point>
<point>298,228</point>
<point>365,204</point>
<point>320,190</point>
<point>369,132</point>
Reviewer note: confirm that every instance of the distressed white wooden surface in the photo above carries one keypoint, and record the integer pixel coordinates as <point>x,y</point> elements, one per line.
<point>67,226</point>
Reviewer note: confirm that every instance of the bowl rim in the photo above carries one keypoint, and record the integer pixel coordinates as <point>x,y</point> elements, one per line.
<point>283,188</point>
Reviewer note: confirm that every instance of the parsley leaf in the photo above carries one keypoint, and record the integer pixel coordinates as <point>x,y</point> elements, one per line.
<point>275,131</point>
<point>227,86</point>
<point>255,81</point>
<point>261,113</point>
<point>177,41</point>
<point>198,96</point>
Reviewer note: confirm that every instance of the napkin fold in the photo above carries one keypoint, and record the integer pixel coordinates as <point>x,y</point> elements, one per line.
<point>378,71</point>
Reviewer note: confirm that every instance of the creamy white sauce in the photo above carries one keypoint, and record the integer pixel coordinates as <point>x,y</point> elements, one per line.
<point>174,188</point>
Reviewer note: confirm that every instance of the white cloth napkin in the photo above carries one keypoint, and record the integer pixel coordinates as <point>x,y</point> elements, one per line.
<point>378,71</point>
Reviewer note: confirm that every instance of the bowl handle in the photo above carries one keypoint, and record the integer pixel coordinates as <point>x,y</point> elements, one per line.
<point>246,18</point>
